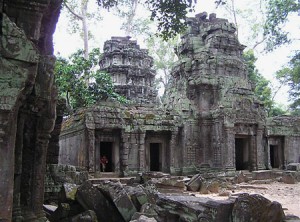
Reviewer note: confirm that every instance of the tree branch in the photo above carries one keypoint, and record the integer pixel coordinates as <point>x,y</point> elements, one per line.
<point>72,12</point>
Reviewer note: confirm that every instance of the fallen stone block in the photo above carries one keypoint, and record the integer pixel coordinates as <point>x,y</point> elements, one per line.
<point>120,198</point>
<point>91,198</point>
<point>256,208</point>
<point>190,208</point>
<point>288,178</point>
<point>68,192</point>
<point>87,216</point>
<point>263,175</point>
<point>144,218</point>
<point>137,195</point>
<point>195,183</point>
<point>293,166</point>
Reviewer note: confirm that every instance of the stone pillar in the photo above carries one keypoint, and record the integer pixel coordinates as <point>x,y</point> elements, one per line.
<point>39,173</point>
<point>124,153</point>
<point>253,153</point>
<point>173,148</point>
<point>7,144</point>
<point>142,136</point>
<point>17,213</point>
<point>90,139</point>
<point>216,144</point>
<point>229,154</point>
<point>260,151</point>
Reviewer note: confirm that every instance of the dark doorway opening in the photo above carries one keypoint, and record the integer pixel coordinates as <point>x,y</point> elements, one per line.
<point>106,150</point>
<point>241,154</point>
<point>274,156</point>
<point>155,157</point>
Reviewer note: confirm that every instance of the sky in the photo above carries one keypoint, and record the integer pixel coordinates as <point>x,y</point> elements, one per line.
<point>267,63</point>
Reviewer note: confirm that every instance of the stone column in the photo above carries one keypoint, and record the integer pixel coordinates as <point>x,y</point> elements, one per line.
<point>142,136</point>
<point>7,144</point>
<point>90,139</point>
<point>252,153</point>
<point>17,214</point>
<point>173,148</point>
<point>216,144</point>
<point>124,152</point>
<point>229,154</point>
<point>39,173</point>
<point>173,145</point>
<point>260,150</point>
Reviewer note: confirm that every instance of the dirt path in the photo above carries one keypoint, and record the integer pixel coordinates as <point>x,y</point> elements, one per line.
<point>286,194</point>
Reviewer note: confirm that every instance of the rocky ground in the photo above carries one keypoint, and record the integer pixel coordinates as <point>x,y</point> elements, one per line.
<point>286,194</point>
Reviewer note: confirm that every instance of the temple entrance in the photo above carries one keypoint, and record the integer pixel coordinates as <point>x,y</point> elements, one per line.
<point>155,156</point>
<point>242,160</point>
<point>275,156</point>
<point>106,149</point>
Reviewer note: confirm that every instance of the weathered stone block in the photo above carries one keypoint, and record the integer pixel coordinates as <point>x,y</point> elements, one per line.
<point>87,216</point>
<point>195,183</point>
<point>91,198</point>
<point>262,175</point>
<point>256,208</point>
<point>293,166</point>
<point>189,208</point>
<point>119,197</point>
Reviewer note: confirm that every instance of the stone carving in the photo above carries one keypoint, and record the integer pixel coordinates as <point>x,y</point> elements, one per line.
<point>130,68</point>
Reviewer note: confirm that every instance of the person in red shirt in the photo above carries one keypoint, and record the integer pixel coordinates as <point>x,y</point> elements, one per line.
<point>103,162</point>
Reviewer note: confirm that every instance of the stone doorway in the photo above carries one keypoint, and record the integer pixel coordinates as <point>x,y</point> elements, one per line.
<point>155,157</point>
<point>242,153</point>
<point>275,156</point>
<point>106,149</point>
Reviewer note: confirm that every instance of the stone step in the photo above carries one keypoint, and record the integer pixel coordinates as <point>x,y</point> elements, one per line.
<point>106,175</point>
<point>122,180</point>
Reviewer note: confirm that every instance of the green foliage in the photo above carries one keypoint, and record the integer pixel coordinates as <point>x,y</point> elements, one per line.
<point>290,75</point>
<point>277,16</point>
<point>81,83</point>
<point>164,56</point>
<point>170,15</point>
<point>262,88</point>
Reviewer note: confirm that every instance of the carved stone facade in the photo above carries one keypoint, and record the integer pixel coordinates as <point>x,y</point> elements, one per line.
<point>130,68</point>
<point>27,105</point>
<point>283,141</point>
<point>210,83</point>
<point>211,118</point>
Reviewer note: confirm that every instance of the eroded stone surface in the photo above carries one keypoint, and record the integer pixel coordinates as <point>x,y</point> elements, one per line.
<point>27,104</point>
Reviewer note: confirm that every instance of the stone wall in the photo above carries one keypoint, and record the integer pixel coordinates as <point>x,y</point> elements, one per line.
<point>284,137</point>
<point>128,130</point>
<point>27,104</point>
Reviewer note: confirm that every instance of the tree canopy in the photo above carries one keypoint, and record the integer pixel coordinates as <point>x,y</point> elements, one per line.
<point>290,75</point>
<point>278,12</point>
<point>262,86</point>
<point>71,78</point>
<point>169,14</point>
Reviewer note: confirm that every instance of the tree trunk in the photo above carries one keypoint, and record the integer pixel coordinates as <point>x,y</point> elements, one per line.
<point>85,28</point>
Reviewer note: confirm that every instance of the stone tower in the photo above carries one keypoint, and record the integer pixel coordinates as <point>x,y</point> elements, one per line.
<point>210,84</point>
<point>130,68</point>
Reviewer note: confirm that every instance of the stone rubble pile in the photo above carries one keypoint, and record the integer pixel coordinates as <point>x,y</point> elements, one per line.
<point>153,197</point>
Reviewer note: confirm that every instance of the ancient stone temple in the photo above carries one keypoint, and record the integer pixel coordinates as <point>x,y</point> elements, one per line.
<point>210,119</point>
<point>27,104</point>
<point>135,137</point>
<point>210,83</point>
